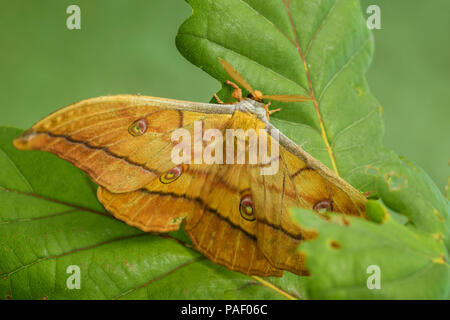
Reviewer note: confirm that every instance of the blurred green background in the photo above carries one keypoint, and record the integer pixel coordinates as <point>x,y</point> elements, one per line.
<point>128,47</point>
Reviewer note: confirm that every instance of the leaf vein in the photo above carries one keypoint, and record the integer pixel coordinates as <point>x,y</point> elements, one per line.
<point>321,25</point>
<point>344,66</point>
<point>21,175</point>
<point>159,277</point>
<point>250,59</point>
<point>93,246</point>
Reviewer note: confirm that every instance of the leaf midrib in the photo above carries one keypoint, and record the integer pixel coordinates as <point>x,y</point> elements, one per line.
<point>315,102</point>
<point>159,277</point>
<point>74,206</point>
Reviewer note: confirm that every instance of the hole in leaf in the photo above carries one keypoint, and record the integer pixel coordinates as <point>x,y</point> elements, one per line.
<point>396,182</point>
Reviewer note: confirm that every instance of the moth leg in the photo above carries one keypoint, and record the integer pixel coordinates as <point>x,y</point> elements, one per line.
<point>237,92</point>
<point>269,112</point>
<point>274,110</point>
<point>218,99</point>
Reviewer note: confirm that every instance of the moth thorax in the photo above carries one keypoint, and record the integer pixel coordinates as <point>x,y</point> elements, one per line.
<point>254,107</point>
<point>257,96</point>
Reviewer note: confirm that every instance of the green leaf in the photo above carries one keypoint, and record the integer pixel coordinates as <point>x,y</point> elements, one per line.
<point>413,259</point>
<point>50,219</point>
<point>407,189</point>
<point>323,49</point>
<point>412,264</point>
<point>319,48</point>
<point>376,212</point>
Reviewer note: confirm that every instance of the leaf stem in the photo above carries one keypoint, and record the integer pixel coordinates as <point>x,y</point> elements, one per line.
<point>273,287</point>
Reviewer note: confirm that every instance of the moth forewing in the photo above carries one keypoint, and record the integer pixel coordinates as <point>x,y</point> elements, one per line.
<point>234,215</point>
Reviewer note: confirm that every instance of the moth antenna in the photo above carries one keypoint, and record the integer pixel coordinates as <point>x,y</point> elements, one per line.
<point>235,75</point>
<point>288,98</point>
<point>257,94</point>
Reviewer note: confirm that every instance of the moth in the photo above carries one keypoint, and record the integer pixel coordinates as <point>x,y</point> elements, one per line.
<point>234,215</point>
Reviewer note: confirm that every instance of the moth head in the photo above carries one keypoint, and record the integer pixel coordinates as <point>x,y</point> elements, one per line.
<point>256,95</point>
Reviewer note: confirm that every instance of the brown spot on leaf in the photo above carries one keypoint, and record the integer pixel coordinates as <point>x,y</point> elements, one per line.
<point>440,260</point>
<point>439,236</point>
<point>335,245</point>
<point>345,221</point>
<point>438,215</point>
<point>395,181</point>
